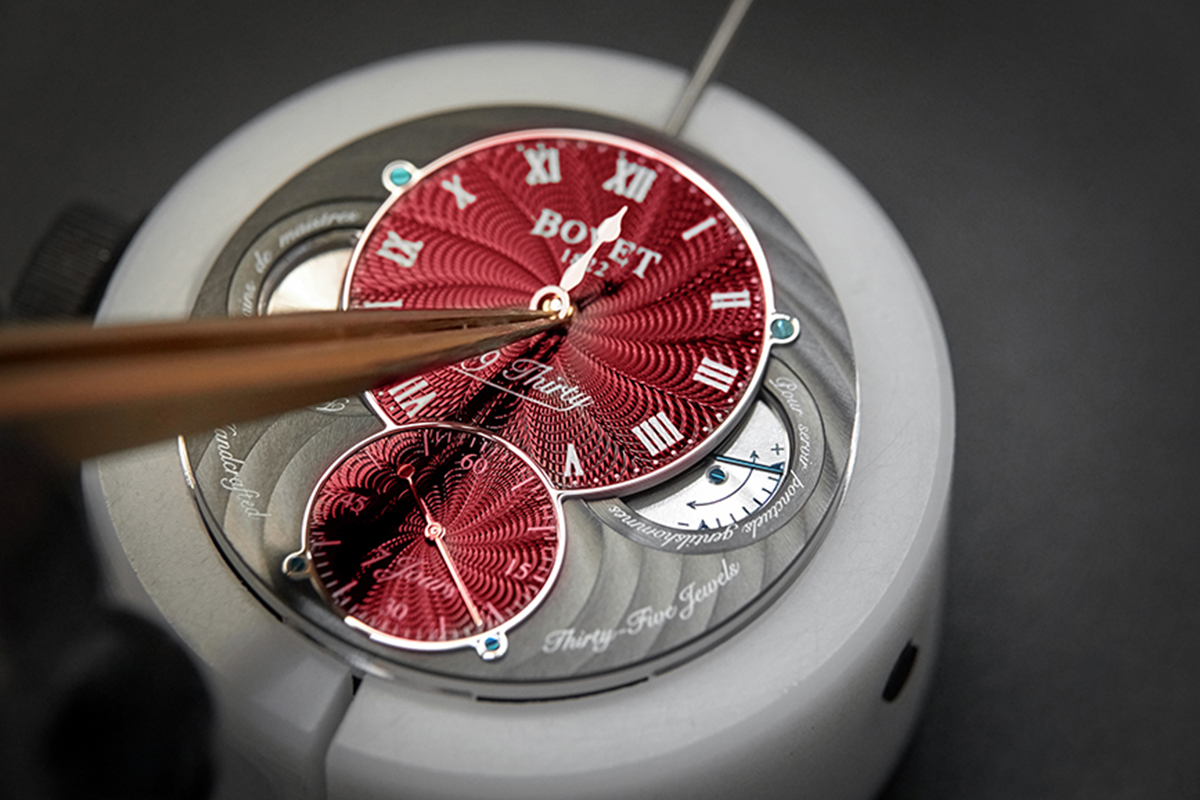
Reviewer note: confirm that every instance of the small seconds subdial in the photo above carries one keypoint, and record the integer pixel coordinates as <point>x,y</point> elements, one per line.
<point>432,537</point>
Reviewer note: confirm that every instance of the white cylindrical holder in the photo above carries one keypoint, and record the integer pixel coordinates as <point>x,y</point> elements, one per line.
<point>791,705</point>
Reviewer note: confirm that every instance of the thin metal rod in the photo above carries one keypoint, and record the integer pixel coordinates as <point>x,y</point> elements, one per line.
<point>707,66</point>
<point>84,391</point>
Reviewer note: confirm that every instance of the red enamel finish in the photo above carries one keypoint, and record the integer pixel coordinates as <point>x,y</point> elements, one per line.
<point>366,531</point>
<point>670,321</point>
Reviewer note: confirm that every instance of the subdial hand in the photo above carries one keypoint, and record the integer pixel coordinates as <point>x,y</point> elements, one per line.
<point>405,473</point>
<point>608,231</point>
<point>435,532</point>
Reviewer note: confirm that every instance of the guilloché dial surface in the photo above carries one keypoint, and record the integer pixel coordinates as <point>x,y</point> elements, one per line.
<point>668,286</point>
<point>432,537</point>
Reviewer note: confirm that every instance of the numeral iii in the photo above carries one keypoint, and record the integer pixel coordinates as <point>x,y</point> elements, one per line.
<point>715,374</point>
<point>657,433</point>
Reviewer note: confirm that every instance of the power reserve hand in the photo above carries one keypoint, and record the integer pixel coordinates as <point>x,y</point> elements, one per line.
<point>774,469</point>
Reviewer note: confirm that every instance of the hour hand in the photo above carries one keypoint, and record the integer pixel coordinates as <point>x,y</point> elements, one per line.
<point>608,231</point>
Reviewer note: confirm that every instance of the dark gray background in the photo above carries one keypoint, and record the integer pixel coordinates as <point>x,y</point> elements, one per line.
<point>1041,160</point>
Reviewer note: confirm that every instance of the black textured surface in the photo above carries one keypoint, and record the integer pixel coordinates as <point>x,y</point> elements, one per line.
<point>1041,160</point>
<point>71,265</point>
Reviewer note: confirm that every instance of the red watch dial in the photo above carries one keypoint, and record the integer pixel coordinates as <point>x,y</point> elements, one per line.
<point>433,536</point>
<point>668,338</point>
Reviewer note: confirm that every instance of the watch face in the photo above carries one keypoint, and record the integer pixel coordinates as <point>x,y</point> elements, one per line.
<point>432,537</point>
<point>668,335</point>
<point>571,512</point>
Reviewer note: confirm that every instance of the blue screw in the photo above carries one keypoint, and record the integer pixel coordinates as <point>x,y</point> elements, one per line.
<point>400,176</point>
<point>782,328</point>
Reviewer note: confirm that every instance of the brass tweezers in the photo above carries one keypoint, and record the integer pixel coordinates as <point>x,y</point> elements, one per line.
<point>84,390</point>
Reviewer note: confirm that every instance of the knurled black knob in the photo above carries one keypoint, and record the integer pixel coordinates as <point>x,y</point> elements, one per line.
<point>72,264</point>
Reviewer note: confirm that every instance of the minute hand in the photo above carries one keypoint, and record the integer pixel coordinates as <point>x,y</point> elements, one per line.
<point>608,231</point>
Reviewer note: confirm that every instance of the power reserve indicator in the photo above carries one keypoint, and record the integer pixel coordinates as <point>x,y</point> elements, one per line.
<point>731,484</point>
